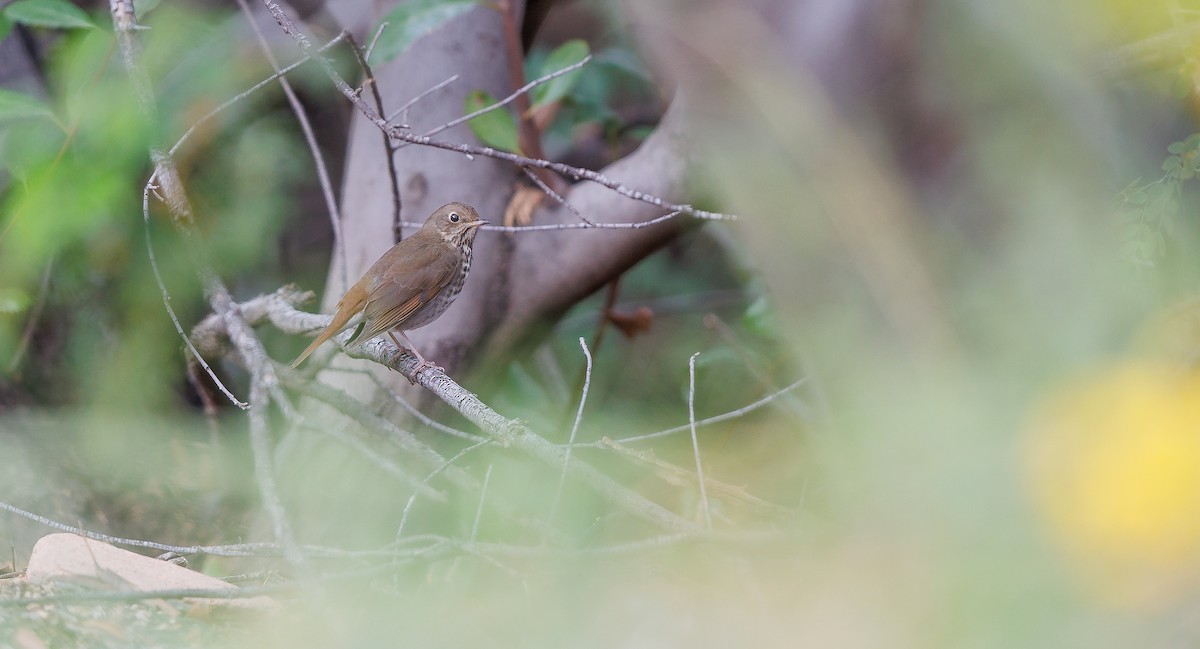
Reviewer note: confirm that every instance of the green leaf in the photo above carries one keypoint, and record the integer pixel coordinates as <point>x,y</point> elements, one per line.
<point>15,105</point>
<point>564,55</point>
<point>48,13</point>
<point>5,26</point>
<point>497,128</point>
<point>412,20</point>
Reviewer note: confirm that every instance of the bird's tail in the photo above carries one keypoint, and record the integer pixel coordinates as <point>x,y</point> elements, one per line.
<point>351,303</point>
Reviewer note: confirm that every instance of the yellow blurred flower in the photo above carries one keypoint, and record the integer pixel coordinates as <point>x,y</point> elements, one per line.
<point>1113,464</point>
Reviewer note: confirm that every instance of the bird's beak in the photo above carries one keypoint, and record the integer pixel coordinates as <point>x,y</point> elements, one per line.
<point>480,223</point>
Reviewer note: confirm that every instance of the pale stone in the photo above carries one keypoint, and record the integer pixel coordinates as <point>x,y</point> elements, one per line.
<point>101,566</point>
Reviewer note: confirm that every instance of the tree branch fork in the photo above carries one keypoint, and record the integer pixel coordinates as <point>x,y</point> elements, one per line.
<point>213,337</point>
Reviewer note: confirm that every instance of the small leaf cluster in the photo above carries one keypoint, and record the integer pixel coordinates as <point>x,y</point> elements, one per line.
<point>1147,210</point>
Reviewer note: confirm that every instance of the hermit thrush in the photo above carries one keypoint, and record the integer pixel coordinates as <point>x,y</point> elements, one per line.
<point>412,283</point>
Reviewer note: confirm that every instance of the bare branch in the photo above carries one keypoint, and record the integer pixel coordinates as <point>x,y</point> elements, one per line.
<point>679,476</point>
<point>487,479</point>
<point>586,225</point>
<point>695,440</point>
<point>249,91</point>
<point>509,99</point>
<point>394,131</point>
<point>508,432</point>
<point>264,474</point>
<point>310,138</point>
<point>240,550</point>
<point>374,40</point>
<point>383,463</point>
<point>555,195</point>
<point>389,147</point>
<point>412,102</point>
<point>444,466</point>
<point>583,394</point>
<point>404,403</point>
<point>166,297</point>
<point>733,414</point>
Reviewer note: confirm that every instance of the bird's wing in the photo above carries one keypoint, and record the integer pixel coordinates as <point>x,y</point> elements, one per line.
<point>398,295</point>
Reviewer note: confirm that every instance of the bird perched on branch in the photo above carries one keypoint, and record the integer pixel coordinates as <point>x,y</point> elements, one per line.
<point>411,284</point>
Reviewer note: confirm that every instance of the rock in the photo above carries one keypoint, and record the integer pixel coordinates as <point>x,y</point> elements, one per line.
<point>100,566</point>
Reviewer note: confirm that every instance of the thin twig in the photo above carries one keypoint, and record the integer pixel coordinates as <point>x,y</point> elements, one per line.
<point>444,466</point>
<point>209,405</point>
<point>342,402</point>
<point>529,138</point>
<point>571,226</point>
<point>131,596</point>
<point>760,373</point>
<point>679,476</point>
<point>732,414</point>
<point>374,40</point>
<point>403,110</point>
<point>166,299</point>
<point>249,91</point>
<point>511,433</point>
<point>509,99</point>
<point>310,138</point>
<point>610,299</point>
<point>264,473</point>
<point>240,550</point>
<point>389,147</point>
<point>383,463</point>
<point>487,479</point>
<point>412,410</point>
<point>394,131</point>
<point>583,395</point>
<point>385,428</point>
<point>555,195</point>
<point>695,440</point>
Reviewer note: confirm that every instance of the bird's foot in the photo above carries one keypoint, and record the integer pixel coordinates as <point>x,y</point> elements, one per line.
<point>422,365</point>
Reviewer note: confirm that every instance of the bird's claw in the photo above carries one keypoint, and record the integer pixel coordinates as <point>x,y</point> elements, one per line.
<point>423,365</point>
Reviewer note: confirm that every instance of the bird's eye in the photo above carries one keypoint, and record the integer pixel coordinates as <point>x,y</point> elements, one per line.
<point>454,217</point>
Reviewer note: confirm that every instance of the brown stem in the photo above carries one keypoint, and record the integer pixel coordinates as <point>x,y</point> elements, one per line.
<point>389,146</point>
<point>529,139</point>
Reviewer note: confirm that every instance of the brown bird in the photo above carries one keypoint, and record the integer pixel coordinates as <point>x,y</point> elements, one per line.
<point>412,283</point>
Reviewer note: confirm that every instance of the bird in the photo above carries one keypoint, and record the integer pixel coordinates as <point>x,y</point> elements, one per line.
<point>411,284</point>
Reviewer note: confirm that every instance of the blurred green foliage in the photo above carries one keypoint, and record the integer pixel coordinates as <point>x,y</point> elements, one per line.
<point>72,208</point>
<point>941,473</point>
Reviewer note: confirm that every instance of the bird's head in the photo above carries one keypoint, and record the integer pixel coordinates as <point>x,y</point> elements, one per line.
<point>457,223</point>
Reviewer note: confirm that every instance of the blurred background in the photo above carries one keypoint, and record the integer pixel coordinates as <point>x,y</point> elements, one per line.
<point>964,229</point>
